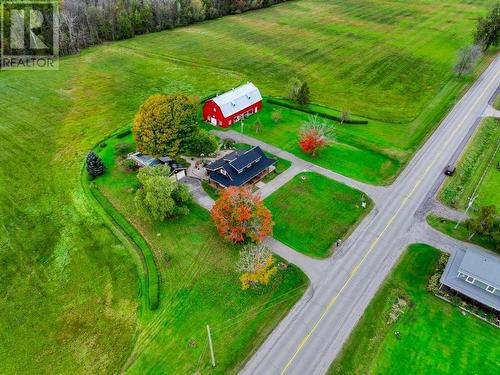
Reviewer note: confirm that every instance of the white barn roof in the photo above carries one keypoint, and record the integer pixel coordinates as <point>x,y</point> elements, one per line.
<point>238,99</point>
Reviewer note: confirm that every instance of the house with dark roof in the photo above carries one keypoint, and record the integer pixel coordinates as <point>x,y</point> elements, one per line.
<point>240,168</point>
<point>474,274</point>
<point>177,171</point>
<point>233,106</point>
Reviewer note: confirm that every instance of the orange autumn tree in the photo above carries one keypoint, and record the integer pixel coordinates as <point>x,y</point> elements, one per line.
<point>241,216</point>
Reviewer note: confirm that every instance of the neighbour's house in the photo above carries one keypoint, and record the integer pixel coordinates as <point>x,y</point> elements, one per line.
<point>233,106</point>
<point>177,171</point>
<point>476,275</point>
<point>240,168</point>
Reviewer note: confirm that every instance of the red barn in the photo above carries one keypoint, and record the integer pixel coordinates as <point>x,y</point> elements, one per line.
<point>232,106</point>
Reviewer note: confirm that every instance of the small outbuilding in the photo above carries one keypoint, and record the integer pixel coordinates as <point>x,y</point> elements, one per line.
<point>233,106</point>
<point>240,168</point>
<point>177,171</point>
<point>474,274</point>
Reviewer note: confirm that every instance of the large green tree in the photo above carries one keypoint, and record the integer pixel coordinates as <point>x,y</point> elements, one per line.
<point>488,28</point>
<point>159,197</point>
<point>166,125</point>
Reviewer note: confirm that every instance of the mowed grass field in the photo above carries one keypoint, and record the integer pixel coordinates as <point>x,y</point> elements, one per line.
<point>436,338</point>
<point>70,292</point>
<point>477,170</point>
<point>199,286</point>
<point>312,212</point>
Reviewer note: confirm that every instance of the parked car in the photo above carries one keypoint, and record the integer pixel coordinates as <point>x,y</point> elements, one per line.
<point>450,169</point>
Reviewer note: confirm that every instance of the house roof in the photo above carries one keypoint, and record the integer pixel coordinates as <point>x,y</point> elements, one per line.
<point>238,99</point>
<point>144,160</point>
<point>234,167</point>
<point>246,159</point>
<point>481,265</point>
<point>226,159</point>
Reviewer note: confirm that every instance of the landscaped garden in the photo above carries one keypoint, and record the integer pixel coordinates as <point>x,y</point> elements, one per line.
<point>198,284</point>
<point>477,171</point>
<point>435,336</point>
<point>312,212</point>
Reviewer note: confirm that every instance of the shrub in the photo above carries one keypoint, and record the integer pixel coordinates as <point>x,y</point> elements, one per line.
<point>122,149</point>
<point>129,165</point>
<point>276,116</point>
<point>203,144</point>
<point>123,133</point>
<point>228,143</point>
<point>314,136</point>
<point>256,265</point>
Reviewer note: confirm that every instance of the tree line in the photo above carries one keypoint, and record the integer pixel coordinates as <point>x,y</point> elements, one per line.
<point>84,23</point>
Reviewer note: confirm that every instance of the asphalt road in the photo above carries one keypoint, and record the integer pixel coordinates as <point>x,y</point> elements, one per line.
<point>309,338</point>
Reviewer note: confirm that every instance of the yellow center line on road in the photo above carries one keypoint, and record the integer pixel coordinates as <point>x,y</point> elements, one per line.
<point>332,302</point>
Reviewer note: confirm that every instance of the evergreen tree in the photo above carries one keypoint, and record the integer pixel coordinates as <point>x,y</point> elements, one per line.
<point>303,95</point>
<point>94,164</point>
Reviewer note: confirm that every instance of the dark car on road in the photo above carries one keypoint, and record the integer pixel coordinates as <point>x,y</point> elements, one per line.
<point>449,170</point>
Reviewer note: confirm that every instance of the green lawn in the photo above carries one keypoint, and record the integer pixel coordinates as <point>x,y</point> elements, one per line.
<point>311,212</point>
<point>349,155</point>
<point>461,233</point>
<point>199,286</point>
<point>436,338</point>
<point>479,161</point>
<point>70,288</point>
<point>496,103</point>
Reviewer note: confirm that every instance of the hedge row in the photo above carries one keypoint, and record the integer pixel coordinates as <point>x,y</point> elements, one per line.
<point>316,113</point>
<point>140,245</point>
<point>208,97</point>
<point>123,133</point>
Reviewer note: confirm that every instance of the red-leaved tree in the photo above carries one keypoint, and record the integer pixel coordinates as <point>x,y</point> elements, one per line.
<point>314,136</point>
<point>241,216</point>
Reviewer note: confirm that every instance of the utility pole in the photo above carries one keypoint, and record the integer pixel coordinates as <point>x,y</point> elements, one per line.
<point>469,205</point>
<point>211,346</point>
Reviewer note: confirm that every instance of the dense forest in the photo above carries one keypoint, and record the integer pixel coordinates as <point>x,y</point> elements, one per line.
<point>83,23</point>
<point>87,22</point>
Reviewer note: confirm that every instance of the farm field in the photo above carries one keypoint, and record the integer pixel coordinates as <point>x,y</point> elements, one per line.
<point>199,286</point>
<point>70,288</point>
<point>435,336</point>
<point>312,212</point>
<point>476,170</point>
